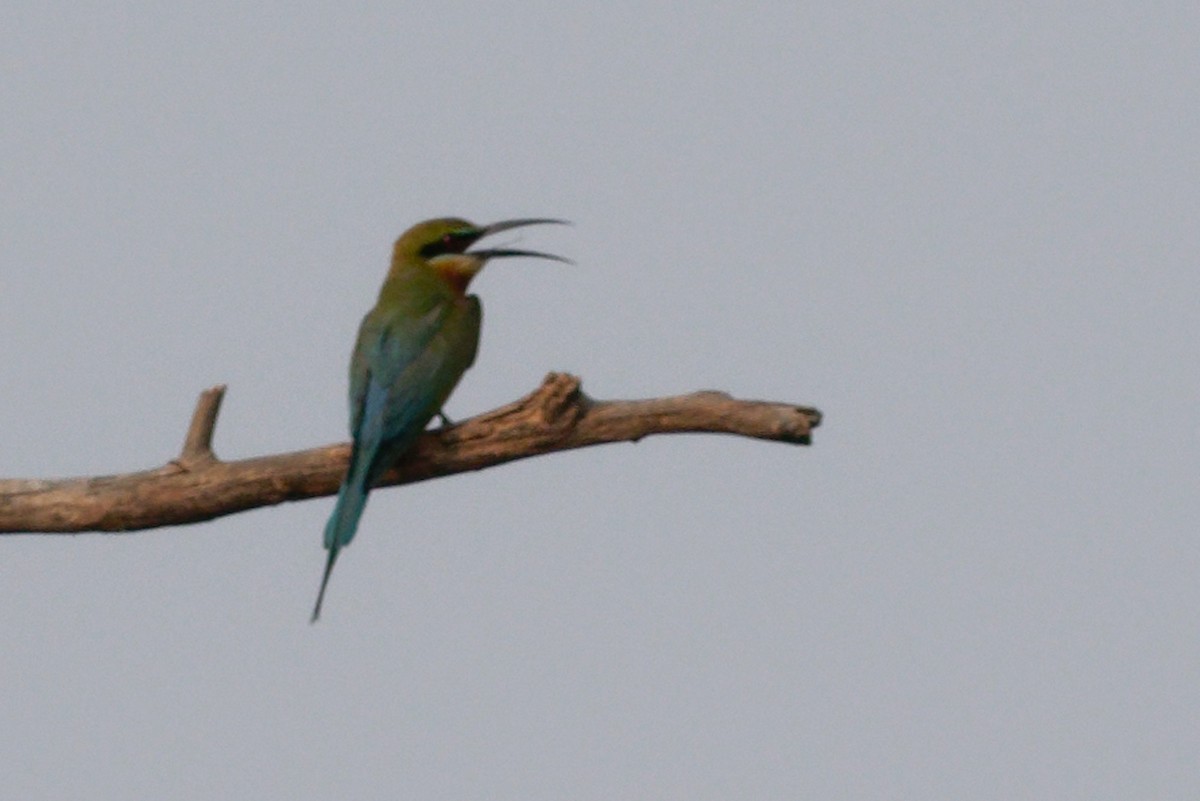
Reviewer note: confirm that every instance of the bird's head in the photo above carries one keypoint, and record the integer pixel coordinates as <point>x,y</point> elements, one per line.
<point>442,244</point>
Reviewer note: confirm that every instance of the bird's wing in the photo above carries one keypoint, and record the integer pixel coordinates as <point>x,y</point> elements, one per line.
<point>409,365</point>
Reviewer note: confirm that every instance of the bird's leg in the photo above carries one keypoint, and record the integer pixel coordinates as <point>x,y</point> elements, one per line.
<point>445,425</point>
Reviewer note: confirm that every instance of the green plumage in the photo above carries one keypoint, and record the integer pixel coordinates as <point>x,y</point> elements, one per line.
<point>412,349</point>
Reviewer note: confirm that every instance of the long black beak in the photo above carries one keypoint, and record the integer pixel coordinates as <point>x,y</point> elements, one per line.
<point>508,225</point>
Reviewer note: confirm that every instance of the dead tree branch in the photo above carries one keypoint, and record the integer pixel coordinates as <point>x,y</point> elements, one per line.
<point>198,486</point>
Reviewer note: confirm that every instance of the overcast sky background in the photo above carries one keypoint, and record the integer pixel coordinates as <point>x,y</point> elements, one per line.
<point>966,231</point>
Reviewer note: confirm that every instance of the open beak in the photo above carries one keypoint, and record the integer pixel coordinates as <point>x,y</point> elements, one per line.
<point>508,225</point>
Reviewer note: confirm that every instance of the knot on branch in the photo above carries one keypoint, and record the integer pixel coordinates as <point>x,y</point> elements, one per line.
<point>559,401</point>
<point>545,415</point>
<point>549,413</point>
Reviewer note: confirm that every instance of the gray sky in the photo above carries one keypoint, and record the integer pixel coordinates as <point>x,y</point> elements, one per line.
<point>967,232</point>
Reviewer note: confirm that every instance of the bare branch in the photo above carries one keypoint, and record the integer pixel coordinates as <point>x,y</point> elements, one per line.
<point>198,486</point>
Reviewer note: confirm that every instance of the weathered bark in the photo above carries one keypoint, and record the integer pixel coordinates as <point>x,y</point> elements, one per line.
<point>198,486</point>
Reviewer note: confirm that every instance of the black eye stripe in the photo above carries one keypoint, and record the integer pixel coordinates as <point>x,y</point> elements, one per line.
<point>451,242</point>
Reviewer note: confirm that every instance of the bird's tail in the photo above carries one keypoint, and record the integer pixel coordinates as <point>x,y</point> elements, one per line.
<point>352,499</point>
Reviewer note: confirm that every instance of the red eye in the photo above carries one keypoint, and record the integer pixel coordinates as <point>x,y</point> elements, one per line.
<point>446,239</point>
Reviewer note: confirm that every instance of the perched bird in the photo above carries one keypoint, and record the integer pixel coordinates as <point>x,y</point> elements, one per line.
<point>412,349</point>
